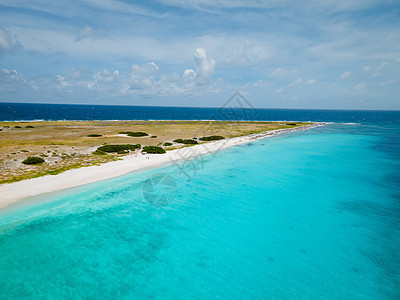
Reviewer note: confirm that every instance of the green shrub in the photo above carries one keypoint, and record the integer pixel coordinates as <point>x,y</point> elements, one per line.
<point>99,152</point>
<point>24,151</point>
<point>153,150</point>
<point>17,127</point>
<point>168,144</point>
<point>33,160</point>
<point>137,134</point>
<point>116,148</point>
<point>211,138</point>
<point>190,142</point>
<point>29,126</point>
<point>94,135</point>
<point>122,152</point>
<point>153,137</point>
<point>291,124</point>
<point>134,133</point>
<point>187,141</point>
<point>65,156</point>
<point>1,129</point>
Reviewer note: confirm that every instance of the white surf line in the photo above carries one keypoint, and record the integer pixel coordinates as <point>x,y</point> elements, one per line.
<point>13,192</point>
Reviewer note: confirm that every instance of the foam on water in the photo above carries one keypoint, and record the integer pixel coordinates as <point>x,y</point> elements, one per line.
<point>312,214</point>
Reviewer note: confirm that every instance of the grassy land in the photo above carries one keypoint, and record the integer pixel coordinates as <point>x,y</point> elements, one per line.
<point>66,145</point>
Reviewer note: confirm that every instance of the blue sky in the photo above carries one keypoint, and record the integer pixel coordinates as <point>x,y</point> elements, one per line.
<point>278,54</point>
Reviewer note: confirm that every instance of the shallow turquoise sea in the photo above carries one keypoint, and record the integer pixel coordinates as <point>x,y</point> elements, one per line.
<point>305,215</point>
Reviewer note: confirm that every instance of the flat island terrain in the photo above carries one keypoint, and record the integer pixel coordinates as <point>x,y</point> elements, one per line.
<point>65,145</point>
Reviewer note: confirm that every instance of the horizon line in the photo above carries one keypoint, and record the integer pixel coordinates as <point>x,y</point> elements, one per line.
<point>214,107</point>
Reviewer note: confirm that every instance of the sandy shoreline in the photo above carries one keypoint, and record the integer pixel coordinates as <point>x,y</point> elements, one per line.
<point>13,192</point>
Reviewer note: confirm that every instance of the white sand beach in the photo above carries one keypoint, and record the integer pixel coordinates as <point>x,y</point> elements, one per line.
<point>13,192</point>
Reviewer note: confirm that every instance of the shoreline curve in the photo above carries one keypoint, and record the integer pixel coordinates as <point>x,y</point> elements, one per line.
<point>13,192</point>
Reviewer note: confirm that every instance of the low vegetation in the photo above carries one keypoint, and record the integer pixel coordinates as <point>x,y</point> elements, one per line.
<point>94,135</point>
<point>134,133</point>
<point>186,141</point>
<point>212,138</point>
<point>33,160</point>
<point>99,152</point>
<point>44,169</point>
<point>153,137</point>
<point>29,126</point>
<point>153,150</point>
<point>68,146</point>
<point>117,148</point>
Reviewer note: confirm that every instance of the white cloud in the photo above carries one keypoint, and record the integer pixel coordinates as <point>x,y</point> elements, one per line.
<point>367,68</point>
<point>360,86</point>
<point>13,82</point>
<point>84,33</point>
<point>345,75</point>
<point>300,81</point>
<point>377,74</point>
<point>281,72</point>
<point>75,73</point>
<point>328,5</point>
<point>142,80</point>
<point>246,54</point>
<point>386,82</point>
<point>150,68</point>
<point>120,6</point>
<point>310,81</point>
<point>63,83</point>
<point>11,73</point>
<point>261,83</point>
<point>80,8</point>
<point>105,81</point>
<point>381,66</point>
<point>7,44</point>
<point>106,76</point>
<point>279,90</point>
<point>189,74</point>
<point>296,82</point>
<point>204,67</point>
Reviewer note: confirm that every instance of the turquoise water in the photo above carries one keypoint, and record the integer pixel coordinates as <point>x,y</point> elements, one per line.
<point>304,215</point>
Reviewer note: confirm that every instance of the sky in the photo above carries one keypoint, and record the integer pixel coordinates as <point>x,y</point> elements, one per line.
<point>329,54</point>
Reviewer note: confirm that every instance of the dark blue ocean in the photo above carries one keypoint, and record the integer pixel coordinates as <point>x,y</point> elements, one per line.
<point>303,215</point>
<point>236,111</point>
